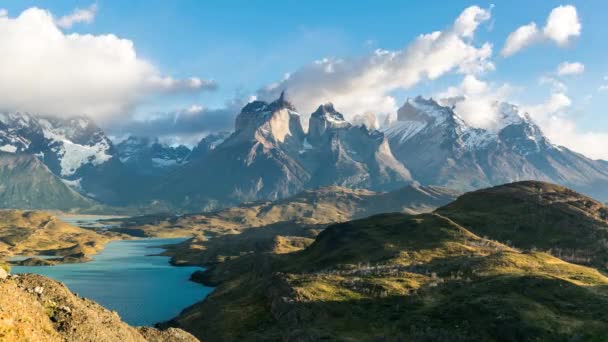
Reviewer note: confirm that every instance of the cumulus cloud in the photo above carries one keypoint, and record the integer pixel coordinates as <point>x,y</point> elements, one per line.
<point>43,70</point>
<point>553,117</point>
<point>3,12</point>
<point>562,25</point>
<point>555,104</point>
<point>86,15</point>
<point>475,101</point>
<point>522,37</point>
<point>169,84</point>
<point>365,84</point>
<point>570,68</point>
<point>556,85</point>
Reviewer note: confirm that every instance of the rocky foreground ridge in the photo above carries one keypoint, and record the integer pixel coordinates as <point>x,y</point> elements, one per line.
<point>35,308</point>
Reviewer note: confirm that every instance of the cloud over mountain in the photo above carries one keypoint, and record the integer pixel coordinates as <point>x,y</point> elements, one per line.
<point>358,85</point>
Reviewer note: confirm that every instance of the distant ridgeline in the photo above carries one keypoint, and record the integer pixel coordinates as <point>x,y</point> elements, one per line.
<point>269,156</point>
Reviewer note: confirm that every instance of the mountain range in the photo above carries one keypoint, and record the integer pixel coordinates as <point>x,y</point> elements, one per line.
<point>270,156</point>
<point>438,147</point>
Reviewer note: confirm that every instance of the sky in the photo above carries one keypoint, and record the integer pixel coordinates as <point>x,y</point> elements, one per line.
<point>182,69</point>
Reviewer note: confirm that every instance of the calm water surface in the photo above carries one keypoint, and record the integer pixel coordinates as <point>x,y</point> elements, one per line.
<point>143,289</point>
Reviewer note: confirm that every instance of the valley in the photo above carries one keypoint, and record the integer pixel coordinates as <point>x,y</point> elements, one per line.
<point>356,171</point>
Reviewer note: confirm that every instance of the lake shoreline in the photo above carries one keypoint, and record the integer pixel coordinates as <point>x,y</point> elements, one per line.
<point>126,267</point>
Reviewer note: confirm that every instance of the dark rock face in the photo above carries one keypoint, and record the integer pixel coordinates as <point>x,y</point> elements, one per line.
<point>147,156</point>
<point>207,144</point>
<point>439,148</point>
<point>351,156</point>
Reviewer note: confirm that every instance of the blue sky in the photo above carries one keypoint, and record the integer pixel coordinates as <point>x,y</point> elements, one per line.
<point>246,45</point>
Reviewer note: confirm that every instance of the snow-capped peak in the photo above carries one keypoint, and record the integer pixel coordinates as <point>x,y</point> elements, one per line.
<point>509,114</point>
<point>328,113</point>
<point>419,114</point>
<point>64,144</point>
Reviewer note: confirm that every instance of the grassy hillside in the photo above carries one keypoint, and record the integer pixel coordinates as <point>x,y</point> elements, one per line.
<point>40,233</point>
<point>396,276</point>
<point>26,183</point>
<point>280,226</point>
<point>537,216</point>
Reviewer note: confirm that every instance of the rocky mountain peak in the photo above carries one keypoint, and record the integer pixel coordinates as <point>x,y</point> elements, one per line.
<point>427,111</point>
<point>325,119</point>
<point>269,123</point>
<point>281,103</point>
<point>147,152</point>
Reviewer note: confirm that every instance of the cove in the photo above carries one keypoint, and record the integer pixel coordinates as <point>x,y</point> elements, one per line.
<point>125,277</point>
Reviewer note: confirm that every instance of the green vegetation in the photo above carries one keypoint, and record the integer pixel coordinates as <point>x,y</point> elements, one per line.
<point>5,267</point>
<point>279,227</point>
<point>424,277</point>
<point>537,216</point>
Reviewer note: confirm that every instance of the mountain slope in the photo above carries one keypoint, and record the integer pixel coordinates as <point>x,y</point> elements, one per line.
<point>548,217</point>
<point>270,157</point>
<point>406,277</point>
<point>74,149</point>
<point>35,308</point>
<point>278,226</point>
<point>26,183</point>
<point>147,156</point>
<point>339,153</point>
<point>438,147</point>
<point>254,162</point>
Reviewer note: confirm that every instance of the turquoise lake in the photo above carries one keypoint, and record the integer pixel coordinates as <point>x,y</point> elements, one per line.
<point>143,289</point>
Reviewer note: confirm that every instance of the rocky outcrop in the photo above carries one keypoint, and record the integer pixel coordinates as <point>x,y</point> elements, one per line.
<point>148,156</point>
<point>35,308</point>
<point>351,156</point>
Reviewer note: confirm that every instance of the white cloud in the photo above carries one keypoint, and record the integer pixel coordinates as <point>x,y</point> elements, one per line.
<point>553,117</point>
<point>520,38</point>
<point>86,15</point>
<point>194,109</point>
<point>3,12</point>
<point>562,25</point>
<point>170,84</point>
<point>43,70</point>
<point>356,86</point>
<point>557,86</point>
<point>475,101</point>
<point>556,103</point>
<point>603,88</point>
<point>466,24</point>
<point>570,68</point>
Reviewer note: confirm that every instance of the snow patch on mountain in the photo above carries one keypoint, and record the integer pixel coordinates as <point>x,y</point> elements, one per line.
<point>73,156</point>
<point>8,148</point>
